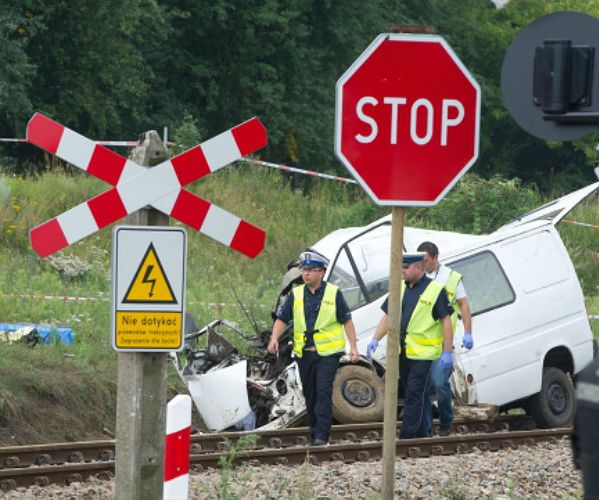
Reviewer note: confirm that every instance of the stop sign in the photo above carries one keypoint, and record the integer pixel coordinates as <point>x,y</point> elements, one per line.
<point>407,119</point>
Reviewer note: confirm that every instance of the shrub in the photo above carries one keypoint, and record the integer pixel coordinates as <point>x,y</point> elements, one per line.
<point>479,206</point>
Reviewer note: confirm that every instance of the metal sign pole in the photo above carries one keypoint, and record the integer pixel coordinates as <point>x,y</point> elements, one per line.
<point>141,391</point>
<point>398,216</point>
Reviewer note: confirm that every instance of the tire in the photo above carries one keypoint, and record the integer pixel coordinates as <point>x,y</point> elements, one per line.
<point>554,406</point>
<point>358,395</point>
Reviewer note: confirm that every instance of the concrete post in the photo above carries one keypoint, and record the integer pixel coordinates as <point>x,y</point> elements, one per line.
<point>141,392</point>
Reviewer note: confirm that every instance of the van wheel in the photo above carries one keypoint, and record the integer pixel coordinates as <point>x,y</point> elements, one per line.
<point>357,395</point>
<point>554,406</point>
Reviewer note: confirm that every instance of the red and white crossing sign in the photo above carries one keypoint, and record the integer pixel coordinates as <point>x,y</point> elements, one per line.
<point>136,186</point>
<point>407,119</point>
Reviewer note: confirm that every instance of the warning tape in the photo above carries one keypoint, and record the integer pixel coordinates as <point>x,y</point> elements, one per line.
<point>580,223</point>
<point>278,166</point>
<point>103,143</point>
<point>287,168</point>
<point>68,298</point>
<point>63,298</point>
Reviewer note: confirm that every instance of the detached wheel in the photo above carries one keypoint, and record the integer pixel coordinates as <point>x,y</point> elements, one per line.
<point>554,406</point>
<point>357,395</point>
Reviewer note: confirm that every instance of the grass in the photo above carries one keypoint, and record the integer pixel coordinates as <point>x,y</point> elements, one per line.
<point>33,289</point>
<point>592,304</point>
<point>582,243</point>
<point>229,467</point>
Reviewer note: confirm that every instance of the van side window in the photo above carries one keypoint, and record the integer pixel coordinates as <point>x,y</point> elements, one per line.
<point>344,277</point>
<point>486,284</point>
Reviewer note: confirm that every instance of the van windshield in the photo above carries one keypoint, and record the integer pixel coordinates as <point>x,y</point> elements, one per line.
<point>361,269</point>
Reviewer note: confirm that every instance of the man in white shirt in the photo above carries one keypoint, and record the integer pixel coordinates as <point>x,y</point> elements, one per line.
<point>452,282</point>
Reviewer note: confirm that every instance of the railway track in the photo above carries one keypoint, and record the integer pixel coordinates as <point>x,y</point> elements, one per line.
<point>64,463</point>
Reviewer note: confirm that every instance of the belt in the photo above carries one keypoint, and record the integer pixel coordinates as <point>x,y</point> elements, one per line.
<point>311,349</point>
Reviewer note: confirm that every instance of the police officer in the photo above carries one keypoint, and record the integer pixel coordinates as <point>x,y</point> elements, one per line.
<point>320,315</point>
<point>585,437</point>
<point>425,335</point>
<point>452,282</point>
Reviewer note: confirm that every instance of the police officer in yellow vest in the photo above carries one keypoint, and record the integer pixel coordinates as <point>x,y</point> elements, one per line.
<point>320,315</point>
<point>452,282</point>
<point>425,335</point>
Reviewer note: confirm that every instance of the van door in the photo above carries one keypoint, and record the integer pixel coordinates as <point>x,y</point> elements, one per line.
<point>489,295</point>
<point>361,271</point>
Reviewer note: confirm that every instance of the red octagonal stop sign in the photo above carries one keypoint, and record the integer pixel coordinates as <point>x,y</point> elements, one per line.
<point>407,119</point>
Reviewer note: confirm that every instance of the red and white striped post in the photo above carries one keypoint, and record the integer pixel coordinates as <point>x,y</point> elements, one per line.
<point>176,451</point>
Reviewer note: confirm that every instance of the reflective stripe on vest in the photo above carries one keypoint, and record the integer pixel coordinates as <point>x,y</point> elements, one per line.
<point>328,332</point>
<point>424,340</point>
<point>451,285</point>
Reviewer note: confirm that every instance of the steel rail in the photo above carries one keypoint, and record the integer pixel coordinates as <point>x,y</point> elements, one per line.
<point>345,452</point>
<point>372,450</point>
<point>87,451</point>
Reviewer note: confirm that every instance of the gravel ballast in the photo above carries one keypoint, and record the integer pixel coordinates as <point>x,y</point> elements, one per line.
<point>541,471</point>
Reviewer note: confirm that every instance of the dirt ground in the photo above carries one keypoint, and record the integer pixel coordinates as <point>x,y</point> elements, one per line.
<point>43,420</point>
<point>47,420</point>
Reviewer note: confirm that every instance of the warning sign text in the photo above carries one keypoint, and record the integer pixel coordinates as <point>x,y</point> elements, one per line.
<point>148,330</point>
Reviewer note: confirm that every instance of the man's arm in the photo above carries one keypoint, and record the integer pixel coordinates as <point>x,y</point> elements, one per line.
<point>277,329</point>
<point>380,332</point>
<point>284,316</point>
<point>381,329</point>
<point>350,331</point>
<point>447,333</point>
<point>466,314</point>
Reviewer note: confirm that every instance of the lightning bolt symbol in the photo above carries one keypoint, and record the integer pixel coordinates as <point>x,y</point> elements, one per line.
<point>147,280</point>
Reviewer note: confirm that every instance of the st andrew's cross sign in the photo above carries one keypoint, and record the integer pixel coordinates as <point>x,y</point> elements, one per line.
<point>135,186</point>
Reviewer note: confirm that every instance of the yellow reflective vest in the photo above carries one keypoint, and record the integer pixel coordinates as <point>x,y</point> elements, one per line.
<point>451,286</point>
<point>424,339</point>
<point>328,332</point>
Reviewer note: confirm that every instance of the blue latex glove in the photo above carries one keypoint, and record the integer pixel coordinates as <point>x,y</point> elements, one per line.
<point>372,345</point>
<point>467,341</point>
<point>447,361</point>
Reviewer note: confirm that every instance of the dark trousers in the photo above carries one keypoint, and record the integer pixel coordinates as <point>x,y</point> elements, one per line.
<point>415,380</point>
<point>440,382</point>
<point>590,479</point>
<point>317,374</point>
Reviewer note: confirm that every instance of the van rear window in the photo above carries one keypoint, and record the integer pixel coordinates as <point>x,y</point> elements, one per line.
<point>486,284</point>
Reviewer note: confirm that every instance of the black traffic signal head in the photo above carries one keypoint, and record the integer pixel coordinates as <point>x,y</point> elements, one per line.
<point>548,76</point>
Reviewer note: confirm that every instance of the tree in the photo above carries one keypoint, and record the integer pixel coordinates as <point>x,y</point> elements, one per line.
<point>90,76</point>
<point>17,26</point>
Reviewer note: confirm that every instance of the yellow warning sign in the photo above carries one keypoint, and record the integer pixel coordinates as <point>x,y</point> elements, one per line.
<point>150,283</point>
<point>148,330</point>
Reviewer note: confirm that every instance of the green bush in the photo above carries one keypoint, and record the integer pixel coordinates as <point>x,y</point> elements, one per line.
<point>479,206</point>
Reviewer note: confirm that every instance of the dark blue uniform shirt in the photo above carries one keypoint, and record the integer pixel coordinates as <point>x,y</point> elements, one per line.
<point>411,295</point>
<point>312,303</point>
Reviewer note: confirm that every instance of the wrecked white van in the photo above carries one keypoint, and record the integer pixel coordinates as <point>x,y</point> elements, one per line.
<point>530,326</point>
